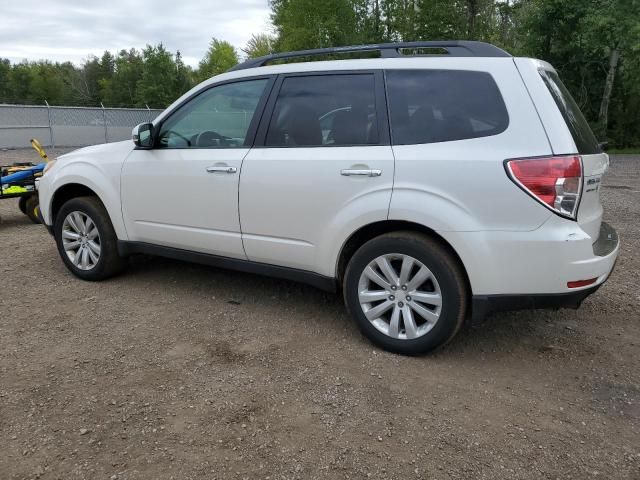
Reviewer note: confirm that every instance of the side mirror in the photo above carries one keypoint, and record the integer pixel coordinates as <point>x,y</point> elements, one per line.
<point>142,135</point>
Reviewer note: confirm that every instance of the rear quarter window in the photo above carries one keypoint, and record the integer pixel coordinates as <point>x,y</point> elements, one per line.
<point>428,106</point>
<point>583,137</point>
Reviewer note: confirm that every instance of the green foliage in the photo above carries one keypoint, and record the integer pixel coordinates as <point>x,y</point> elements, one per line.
<point>153,77</point>
<point>156,87</point>
<point>220,57</point>
<point>303,24</point>
<point>578,38</point>
<point>259,45</point>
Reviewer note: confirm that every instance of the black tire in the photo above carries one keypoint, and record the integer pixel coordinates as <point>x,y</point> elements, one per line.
<point>22,204</point>
<point>32,209</point>
<point>109,262</point>
<point>439,261</point>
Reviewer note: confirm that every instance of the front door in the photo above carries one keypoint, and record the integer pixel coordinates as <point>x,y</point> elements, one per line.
<point>183,193</point>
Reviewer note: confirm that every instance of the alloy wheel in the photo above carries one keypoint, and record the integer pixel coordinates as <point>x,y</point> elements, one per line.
<point>400,296</point>
<point>81,240</point>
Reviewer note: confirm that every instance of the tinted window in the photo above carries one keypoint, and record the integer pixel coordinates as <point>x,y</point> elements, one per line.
<point>217,118</point>
<point>582,135</point>
<point>429,106</point>
<point>324,110</point>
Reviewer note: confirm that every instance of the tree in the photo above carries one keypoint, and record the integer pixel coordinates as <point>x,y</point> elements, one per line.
<point>120,89</point>
<point>156,87</point>
<point>259,45</point>
<point>183,77</point>
<point>220,57</point>
<point>611,34</point>
<point>303,24</point>
<point>5,80</point>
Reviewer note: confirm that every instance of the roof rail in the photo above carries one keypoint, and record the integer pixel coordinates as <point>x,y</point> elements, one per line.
<point>454,48</point>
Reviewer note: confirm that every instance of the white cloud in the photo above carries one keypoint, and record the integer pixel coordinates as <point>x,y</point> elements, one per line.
<point>72,30</point>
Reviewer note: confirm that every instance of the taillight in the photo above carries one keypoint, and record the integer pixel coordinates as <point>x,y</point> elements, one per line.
<point>556,182</point>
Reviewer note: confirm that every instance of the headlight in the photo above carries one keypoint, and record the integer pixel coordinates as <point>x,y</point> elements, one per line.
<point>48,166</point>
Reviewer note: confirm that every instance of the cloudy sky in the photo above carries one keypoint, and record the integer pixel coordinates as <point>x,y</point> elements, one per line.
<point>61,30</point>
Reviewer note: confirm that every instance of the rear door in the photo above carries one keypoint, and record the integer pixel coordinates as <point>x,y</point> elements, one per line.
<point>568,132</point>
<point>321,164</point>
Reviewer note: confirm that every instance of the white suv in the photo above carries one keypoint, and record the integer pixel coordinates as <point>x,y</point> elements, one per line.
<point>430,189</point>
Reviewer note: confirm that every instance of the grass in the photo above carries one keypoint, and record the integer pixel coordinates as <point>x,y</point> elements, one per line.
<point>625,151</point>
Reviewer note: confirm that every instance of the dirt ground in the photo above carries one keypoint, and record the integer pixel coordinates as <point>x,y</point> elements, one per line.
<point>179,371</point>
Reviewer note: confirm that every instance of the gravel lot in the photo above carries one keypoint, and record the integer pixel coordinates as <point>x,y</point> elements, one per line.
<point>181,371</point>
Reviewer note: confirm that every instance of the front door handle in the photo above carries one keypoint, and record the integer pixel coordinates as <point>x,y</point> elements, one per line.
<point>222,168</point>
<point>361,172</point>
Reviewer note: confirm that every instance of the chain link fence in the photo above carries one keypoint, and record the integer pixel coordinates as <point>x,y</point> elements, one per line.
<point>68,126</point>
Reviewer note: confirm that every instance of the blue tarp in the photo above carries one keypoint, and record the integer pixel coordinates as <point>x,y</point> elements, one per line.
<point>22,174</point>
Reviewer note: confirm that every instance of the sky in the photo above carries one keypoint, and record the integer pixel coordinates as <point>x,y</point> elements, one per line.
<point>72,30</point>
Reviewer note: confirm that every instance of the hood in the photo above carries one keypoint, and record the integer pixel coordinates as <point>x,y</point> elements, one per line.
<point>102,150</point>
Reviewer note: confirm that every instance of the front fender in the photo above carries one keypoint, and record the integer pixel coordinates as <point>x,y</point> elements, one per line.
<point>104,182</point>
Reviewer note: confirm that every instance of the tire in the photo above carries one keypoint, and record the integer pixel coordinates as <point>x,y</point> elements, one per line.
<point>22,204</point>
<point>70,223</point>
<point>409,326</point>
<point>32,209</point>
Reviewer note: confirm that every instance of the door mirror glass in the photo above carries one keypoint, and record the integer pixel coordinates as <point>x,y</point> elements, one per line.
<point>143,135</point>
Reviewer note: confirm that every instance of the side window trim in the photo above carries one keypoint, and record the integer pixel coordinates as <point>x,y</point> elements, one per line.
<point>379,95</point>
<point>253,125</point>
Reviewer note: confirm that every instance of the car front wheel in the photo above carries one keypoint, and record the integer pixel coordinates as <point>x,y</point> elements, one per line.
<point>86,240</point>
<point>406,292</point>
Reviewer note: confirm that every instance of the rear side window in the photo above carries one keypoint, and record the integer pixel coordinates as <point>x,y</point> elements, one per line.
<point>428,106</point>
<point>583,137</point>
<point>324,110</point>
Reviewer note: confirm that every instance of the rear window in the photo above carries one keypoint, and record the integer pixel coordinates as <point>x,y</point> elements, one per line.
<point>428,106</point>
<point>583,137</point>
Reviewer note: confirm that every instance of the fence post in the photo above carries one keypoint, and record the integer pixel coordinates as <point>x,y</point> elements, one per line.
<point>104,122</point>
<point>148,111</point>
<point>53,145</point>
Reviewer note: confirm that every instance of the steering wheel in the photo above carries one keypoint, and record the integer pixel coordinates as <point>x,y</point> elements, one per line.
<point>166,135</point>
<point>210,139</point>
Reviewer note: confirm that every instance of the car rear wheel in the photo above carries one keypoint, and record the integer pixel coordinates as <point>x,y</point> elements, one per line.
<point>86,240</point>
<point>406,292</point>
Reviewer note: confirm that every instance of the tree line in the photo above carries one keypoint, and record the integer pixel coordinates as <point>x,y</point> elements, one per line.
<point>594,44</point>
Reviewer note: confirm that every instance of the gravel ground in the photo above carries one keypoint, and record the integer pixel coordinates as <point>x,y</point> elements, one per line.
<point>182,371</point>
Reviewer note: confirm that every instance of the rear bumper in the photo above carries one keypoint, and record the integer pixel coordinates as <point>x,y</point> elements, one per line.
<point>542,261</point>
<point>598,265</point>
<point>483,305</point>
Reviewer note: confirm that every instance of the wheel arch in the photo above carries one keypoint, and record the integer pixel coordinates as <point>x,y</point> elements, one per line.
<point>372,230</point>
<point>65,193</point>
<point>80,187</point>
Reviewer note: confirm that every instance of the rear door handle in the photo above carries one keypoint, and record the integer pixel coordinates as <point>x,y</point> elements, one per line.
<point>222,168</point>
<point>361,172</point>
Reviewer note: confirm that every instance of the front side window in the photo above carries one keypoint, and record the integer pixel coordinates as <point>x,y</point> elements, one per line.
<point>324,110</point>
<point>428,106</point>
<point>217,118</point>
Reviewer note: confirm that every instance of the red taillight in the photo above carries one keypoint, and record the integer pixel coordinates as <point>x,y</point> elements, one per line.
<point>554,181</point>
<point>581,283</point>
